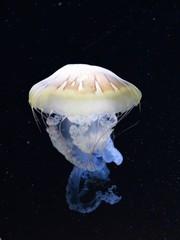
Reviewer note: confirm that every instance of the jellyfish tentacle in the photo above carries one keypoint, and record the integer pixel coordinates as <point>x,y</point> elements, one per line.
<point>36,118</point>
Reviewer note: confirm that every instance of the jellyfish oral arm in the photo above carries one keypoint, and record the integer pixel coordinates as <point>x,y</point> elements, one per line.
<point>74,193</point>
<point>86,143</point>
<point>111,154</point>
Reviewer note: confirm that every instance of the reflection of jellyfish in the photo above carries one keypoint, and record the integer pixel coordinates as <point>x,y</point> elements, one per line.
<point>82,104</point>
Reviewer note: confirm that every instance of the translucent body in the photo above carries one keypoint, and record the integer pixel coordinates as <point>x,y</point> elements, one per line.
<point>81,102</point>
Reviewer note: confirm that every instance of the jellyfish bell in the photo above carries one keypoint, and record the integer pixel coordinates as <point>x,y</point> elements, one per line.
<point>80,89</point>
<point>82,102</point>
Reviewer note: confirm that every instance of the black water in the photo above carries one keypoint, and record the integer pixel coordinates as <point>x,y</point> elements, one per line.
<point>138,41</point>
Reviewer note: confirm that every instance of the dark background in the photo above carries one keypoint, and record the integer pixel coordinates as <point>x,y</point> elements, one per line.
<point>138,41</point>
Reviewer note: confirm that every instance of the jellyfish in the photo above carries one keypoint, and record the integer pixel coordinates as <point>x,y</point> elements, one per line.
<point>82,105</point>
